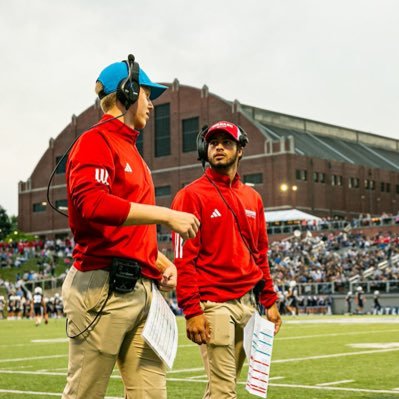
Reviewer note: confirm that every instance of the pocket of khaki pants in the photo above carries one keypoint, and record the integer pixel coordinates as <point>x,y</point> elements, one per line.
<point>66,286</point>
<point>220,329</point>
<point>96,289</point>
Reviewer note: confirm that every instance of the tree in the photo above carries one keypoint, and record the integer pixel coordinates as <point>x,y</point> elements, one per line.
<point>5,223</point>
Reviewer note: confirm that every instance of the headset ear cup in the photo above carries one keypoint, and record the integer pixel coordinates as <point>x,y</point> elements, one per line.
<point>128,89</point>
<point>202,146</point>
<point>121,95</point>
<point>128,92</point>
<point>243,139</point>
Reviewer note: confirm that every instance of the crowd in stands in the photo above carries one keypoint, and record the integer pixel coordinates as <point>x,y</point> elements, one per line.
<point>306,257</point>
<point>333,223</point>
<point>337,258</point>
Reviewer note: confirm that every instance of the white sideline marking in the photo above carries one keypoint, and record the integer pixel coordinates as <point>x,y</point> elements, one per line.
<point>49,341</point>
<point>186,370</point>
<point>297,359</point>
<point>334,334</point>
<point>29,392</point>
<point>185,380</point>
<point>375,345</point>
<point>324,384</point>
<point>44,393</point>
<point>196,377</point>
<point>347,320</point>
<point>40,372</point>
<point>22,359</point>
<point>65,340</point>
<point>332,388</point>
<point>303,386</point>
<point>242,383</point>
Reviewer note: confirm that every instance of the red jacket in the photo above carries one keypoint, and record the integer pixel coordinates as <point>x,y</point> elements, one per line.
<point>217,265</point>
<point>105,173</point>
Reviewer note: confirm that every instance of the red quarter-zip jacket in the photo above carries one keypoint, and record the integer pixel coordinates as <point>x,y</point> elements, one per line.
<point>105,173</point>
<point>217,265</point>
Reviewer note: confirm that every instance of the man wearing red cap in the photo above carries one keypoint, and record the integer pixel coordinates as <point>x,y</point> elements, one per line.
<point>112,214</point>
<point>226,263</point>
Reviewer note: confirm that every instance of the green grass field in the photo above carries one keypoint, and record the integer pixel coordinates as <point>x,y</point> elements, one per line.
<point>326,357</point>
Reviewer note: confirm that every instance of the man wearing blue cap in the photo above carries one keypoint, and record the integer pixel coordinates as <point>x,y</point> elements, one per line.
<point>113,216</point>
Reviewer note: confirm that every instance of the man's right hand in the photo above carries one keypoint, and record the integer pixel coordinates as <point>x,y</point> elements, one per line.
<point>183,223</point>
<point>198,329</point>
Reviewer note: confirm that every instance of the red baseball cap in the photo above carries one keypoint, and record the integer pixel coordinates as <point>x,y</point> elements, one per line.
<point>224,126</point>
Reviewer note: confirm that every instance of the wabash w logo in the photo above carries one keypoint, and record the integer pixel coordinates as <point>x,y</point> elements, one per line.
<point>101,175</point>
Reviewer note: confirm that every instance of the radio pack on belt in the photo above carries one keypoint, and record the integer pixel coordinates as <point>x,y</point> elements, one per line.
<point>123,275</point>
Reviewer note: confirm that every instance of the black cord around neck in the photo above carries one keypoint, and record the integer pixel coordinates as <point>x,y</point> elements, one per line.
<point>63,157</point>
<point>232,212</point>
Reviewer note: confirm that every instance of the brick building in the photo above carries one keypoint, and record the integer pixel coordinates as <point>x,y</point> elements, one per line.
<point>293,162</point>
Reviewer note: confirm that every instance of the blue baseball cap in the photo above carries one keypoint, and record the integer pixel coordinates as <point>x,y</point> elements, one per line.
<point>113,74</point>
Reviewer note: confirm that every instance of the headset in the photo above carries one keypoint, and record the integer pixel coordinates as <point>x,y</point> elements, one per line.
<point>202,145</point>
<point>128,89</point>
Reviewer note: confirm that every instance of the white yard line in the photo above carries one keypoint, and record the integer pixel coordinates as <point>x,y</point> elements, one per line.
<point>29,392</point>
<point>22,359</point>
<point>185,380</point>
<point>44,393</point>
<point>278,338</point>
<point>196,377</point>
<point>50,341</point>
<point>40,372</point>
<point>186,370</point>
<point>347,320</point>
<point>324,384</point>
<point>303,386</point>
<point>376,391</point>
<point>334,388</point>
<point>333,334</point>
<point>299,359</point>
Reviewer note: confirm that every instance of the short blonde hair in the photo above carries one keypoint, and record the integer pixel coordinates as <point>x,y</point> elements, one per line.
<point>107,102</point>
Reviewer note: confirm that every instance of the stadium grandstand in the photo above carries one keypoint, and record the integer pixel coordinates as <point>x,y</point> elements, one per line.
<point>331,195</point>
<point>325,170</point>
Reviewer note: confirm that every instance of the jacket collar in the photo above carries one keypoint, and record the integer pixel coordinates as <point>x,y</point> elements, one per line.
<point>223,179</point>
<point>118,127</point>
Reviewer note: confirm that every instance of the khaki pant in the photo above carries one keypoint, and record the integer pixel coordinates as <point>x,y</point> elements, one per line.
<point>115,337</point>
<point>224,356</point>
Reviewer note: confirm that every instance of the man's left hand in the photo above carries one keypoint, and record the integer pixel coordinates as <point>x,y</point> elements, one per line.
<point>169,278</point>
<point>169,273</point>
<point>273,315</point>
